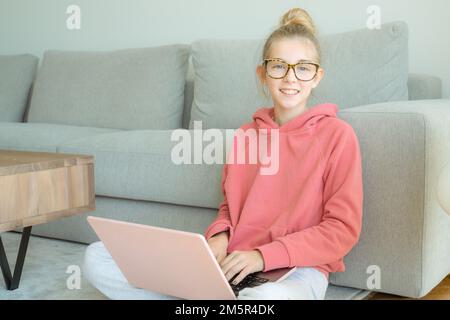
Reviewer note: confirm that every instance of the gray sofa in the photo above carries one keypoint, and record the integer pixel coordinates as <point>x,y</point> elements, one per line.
<point>123,106</point>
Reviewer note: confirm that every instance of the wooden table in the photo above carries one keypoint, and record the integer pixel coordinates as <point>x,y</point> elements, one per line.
<point>39,187</point>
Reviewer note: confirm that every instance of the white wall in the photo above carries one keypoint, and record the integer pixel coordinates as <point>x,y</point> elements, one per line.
<point>37,25</point>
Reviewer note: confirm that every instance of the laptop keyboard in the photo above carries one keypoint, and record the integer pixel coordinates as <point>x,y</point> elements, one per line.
<point>250,280</point>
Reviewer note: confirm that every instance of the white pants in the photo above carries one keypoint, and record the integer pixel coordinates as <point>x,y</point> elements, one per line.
<point>102,272</point>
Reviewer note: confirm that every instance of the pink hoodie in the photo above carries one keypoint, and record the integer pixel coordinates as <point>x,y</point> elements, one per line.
<point>309,213</point>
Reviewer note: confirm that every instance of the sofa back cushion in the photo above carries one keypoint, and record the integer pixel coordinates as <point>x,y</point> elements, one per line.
<point>139,88</point>
<point>361,67</point>
<point>17,73</point>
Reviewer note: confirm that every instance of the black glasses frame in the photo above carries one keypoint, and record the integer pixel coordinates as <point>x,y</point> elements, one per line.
<point>293,68</point>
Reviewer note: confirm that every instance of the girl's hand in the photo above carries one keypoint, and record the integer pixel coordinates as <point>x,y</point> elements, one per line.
<point>242,262</point>
<point>219,244</point>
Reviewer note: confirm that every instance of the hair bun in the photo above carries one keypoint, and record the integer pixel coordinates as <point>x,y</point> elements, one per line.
<point>297,16</point>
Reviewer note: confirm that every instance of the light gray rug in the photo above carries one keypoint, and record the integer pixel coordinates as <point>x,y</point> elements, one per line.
<point>51,266</point>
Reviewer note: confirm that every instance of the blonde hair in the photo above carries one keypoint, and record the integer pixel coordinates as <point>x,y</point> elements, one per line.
<point>296,23</point>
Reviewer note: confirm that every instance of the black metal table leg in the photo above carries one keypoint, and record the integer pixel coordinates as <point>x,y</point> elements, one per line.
<point>12,281</point>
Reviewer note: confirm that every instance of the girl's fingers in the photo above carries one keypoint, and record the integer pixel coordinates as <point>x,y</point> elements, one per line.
<point>234,270</point>
<point>226,260</point>
<point>219,258</point>
<point>242,274</point>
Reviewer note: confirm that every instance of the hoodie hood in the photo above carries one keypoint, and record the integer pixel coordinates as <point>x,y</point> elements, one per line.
<point>303,122</point>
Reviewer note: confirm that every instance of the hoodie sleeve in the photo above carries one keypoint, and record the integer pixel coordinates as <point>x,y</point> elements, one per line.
<point>339,230</point>
<point>222,222</point>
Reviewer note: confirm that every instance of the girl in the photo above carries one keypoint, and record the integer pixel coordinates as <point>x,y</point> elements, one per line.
<point>308,214</point>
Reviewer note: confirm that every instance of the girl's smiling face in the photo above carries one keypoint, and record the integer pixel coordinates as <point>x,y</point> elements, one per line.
<point>291,51</point>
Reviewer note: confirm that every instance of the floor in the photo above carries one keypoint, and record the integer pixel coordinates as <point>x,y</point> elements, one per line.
<point>441,292</point>
<point>47,275</point>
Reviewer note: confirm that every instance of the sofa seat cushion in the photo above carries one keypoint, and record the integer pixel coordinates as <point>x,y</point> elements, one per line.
<point>137,164</point>
<point>42,136</point>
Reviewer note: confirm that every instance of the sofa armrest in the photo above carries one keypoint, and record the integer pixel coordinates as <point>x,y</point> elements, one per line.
<point>422,86</point>
<point>404,147</point>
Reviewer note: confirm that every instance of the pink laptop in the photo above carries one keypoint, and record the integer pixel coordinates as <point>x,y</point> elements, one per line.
<point>172,262</point>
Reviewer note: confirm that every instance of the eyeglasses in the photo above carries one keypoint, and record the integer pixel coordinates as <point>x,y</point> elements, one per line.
<point>303,70</point>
